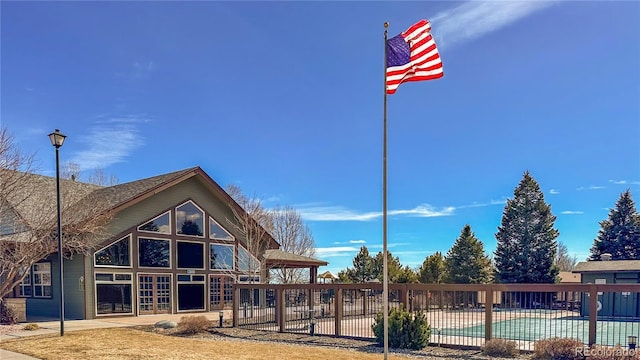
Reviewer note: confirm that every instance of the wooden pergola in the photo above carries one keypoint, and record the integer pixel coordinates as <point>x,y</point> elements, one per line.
<point>275,259</point>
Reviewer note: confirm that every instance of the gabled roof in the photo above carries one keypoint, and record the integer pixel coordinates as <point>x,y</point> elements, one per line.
<point>111,198</point>
<point>607,266</point>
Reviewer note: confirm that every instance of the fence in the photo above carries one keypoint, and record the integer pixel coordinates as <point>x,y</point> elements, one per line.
<point>466,315</point>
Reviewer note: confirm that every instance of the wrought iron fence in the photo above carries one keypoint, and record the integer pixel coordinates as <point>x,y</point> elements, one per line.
<point>466,315</point>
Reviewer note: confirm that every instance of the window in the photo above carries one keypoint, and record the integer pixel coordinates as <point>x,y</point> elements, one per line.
<point>114,293</point>
<point>189,219</point>
<point>190,255</point>
<point>154,253</point>
<point>41,280</point>
<point>247,262</point>
<point>191,294</point>
<point>221,257</point>
<point>218,232</point>
<point>24,288</point>
<point>116,254</point>
<point>160,224</point>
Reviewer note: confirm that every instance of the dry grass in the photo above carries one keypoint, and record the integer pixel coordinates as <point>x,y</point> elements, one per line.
<point>124,343</point>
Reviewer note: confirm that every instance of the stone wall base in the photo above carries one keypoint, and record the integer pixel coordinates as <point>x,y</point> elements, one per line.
<point>19,305</point>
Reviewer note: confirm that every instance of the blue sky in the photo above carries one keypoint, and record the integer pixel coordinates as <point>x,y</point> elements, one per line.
<point>285,100</point>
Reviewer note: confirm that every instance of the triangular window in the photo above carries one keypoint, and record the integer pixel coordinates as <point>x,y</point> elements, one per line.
<point>116,254</point>
<point>189,219</point>
<point>218,232</point>
<point>160,224</point>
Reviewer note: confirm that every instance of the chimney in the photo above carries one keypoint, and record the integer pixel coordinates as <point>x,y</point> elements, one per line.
<point>605,257</point>
<point>73,177</point>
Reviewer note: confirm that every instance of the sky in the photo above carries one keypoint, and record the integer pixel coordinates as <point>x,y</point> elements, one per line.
<point>285,100</point>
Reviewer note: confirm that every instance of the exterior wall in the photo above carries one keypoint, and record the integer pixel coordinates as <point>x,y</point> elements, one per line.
<point>613,304</point>
<point>45,308</point>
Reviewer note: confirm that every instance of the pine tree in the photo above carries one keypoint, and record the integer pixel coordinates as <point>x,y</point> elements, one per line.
<point>433,269</point>
<point>394,267</point>
<point>619,235</point>
<point>466,262</point>
<point>363,267</point>
<point>526,239</point>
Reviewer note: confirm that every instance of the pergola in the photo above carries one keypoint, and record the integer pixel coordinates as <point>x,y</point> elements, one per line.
<point>280,259</point>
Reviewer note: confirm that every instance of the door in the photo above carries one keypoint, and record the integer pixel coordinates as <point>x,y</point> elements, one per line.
<point>221,292</point>
<point>154,294</point>
<point>626,302</point>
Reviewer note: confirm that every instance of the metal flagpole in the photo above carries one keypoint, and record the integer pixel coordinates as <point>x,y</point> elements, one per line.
<point>385,279</point>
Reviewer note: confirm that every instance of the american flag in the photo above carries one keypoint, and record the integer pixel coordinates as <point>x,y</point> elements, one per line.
<point>412,56</point>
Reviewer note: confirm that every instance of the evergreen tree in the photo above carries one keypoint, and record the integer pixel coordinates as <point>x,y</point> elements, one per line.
<point>619,235</point>
<point>363,267</point>
<point>393,266</point>
<point>466,262</point>
<point>406,275</point>
<point>526,239</point>
<point>433,269</point>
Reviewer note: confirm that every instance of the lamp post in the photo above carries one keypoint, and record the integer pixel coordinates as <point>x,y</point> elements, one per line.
<point>57,138</point>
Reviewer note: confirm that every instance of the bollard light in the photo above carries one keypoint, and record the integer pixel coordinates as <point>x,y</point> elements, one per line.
<point>221,314</point>
<point>632,341</point>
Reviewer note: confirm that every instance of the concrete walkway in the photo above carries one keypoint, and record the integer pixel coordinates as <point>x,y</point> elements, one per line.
<point>53,327</point>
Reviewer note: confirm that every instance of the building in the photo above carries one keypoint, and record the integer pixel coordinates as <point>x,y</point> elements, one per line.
<point>173,244</point>
<point>606,271</point>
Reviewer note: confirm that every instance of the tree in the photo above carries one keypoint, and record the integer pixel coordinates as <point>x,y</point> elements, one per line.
<point>394,267</point>
<point>564,261</point>
<point>363,268</point>
<point>28,216</point>
<point>526,239</point>
<point>73,171</point>
<point>466,262</point>
<point>250,222</point>
<point>432,270</point>
<point>619,235</point>
<point>288,229</point>
<point>406,275</point>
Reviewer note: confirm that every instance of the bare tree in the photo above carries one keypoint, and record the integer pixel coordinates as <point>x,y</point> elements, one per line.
<point>73,171</point>
<point>251,223</point>
<point>289,230</point>
<point>28,221</point>
<point>563,260</point>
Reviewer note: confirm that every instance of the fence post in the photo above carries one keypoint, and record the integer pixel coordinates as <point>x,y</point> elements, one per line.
<point>236,305</point>
<point>338,306</point>
<point>280,309</point>
<point>593,313</point>
<point>488,312</point>
<point>404,296</point>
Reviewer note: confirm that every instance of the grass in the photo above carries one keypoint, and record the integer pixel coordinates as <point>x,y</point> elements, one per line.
<point>125,343</point>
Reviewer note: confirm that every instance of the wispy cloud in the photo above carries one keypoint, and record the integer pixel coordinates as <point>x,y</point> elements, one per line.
<point>571,212</point>
<point>139,70</point>
<point>477,18</point>
<point>592,187</point>
<point>554,192</point>
<point>110,141</point>
<point>624,182</point>
<point>339,213</point>
<point>336,251</point>
<point>492,202</point>
<point>357,241</point>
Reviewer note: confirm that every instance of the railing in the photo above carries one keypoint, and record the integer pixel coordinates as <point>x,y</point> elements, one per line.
<point>465,315</point>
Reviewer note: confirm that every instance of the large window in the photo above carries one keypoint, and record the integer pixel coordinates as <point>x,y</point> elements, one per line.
<point>189,219</point>
<point>190,255</point>
<point>221,257</point>
<point>116,254</point>
<point>154,253</point>
<point>160,224</point>
<point>191,292</point>
<point>25,289</point>
<point>114,293</point>
<point>246,262</point>
<point>217,232</point>
<point>41,279</point>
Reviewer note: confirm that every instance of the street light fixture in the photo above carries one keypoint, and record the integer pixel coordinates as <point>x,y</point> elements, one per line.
<point>57,138</point>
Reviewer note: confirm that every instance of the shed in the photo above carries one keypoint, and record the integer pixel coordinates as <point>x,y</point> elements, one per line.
<point>625,304</point>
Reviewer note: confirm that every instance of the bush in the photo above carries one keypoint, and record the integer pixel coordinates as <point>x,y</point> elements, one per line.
<point>558,349</point>
<point>500,348</point>
<point>406,330</point>
<point>7,315</point>
<point>31,327</point>
<point>190,325</point>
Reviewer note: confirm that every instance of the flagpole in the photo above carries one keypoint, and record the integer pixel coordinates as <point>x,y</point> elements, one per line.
<point>385,279</point>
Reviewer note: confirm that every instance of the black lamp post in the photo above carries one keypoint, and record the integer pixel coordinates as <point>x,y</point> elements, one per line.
<point>57,138</point>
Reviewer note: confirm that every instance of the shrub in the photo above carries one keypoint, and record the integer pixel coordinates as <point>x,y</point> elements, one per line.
<point>500,348</point>
<point>31,327</point>
<point>7,315</point>
<point>558,349</point>
<point>190,325</point>
<point>406,330</point>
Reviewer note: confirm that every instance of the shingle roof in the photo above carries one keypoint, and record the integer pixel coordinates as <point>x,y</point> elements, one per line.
<point>608,266</point>
<point>279,257</point>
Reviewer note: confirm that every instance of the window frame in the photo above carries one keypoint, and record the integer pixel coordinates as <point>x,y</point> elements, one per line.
<point>170,241</point>
<point>204,214</point>
<point>191,281</point>
<point>230,238</point>
<point>157,232</point>
<point>113,282</point>
<point>117,266</point>
<point>249,270</point>
<point>204,254</point>
<point>34,285</point>
<point>233,256</point>
<point>29,286</point>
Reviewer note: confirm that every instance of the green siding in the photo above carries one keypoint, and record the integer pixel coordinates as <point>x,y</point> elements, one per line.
<point>613,304</point>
